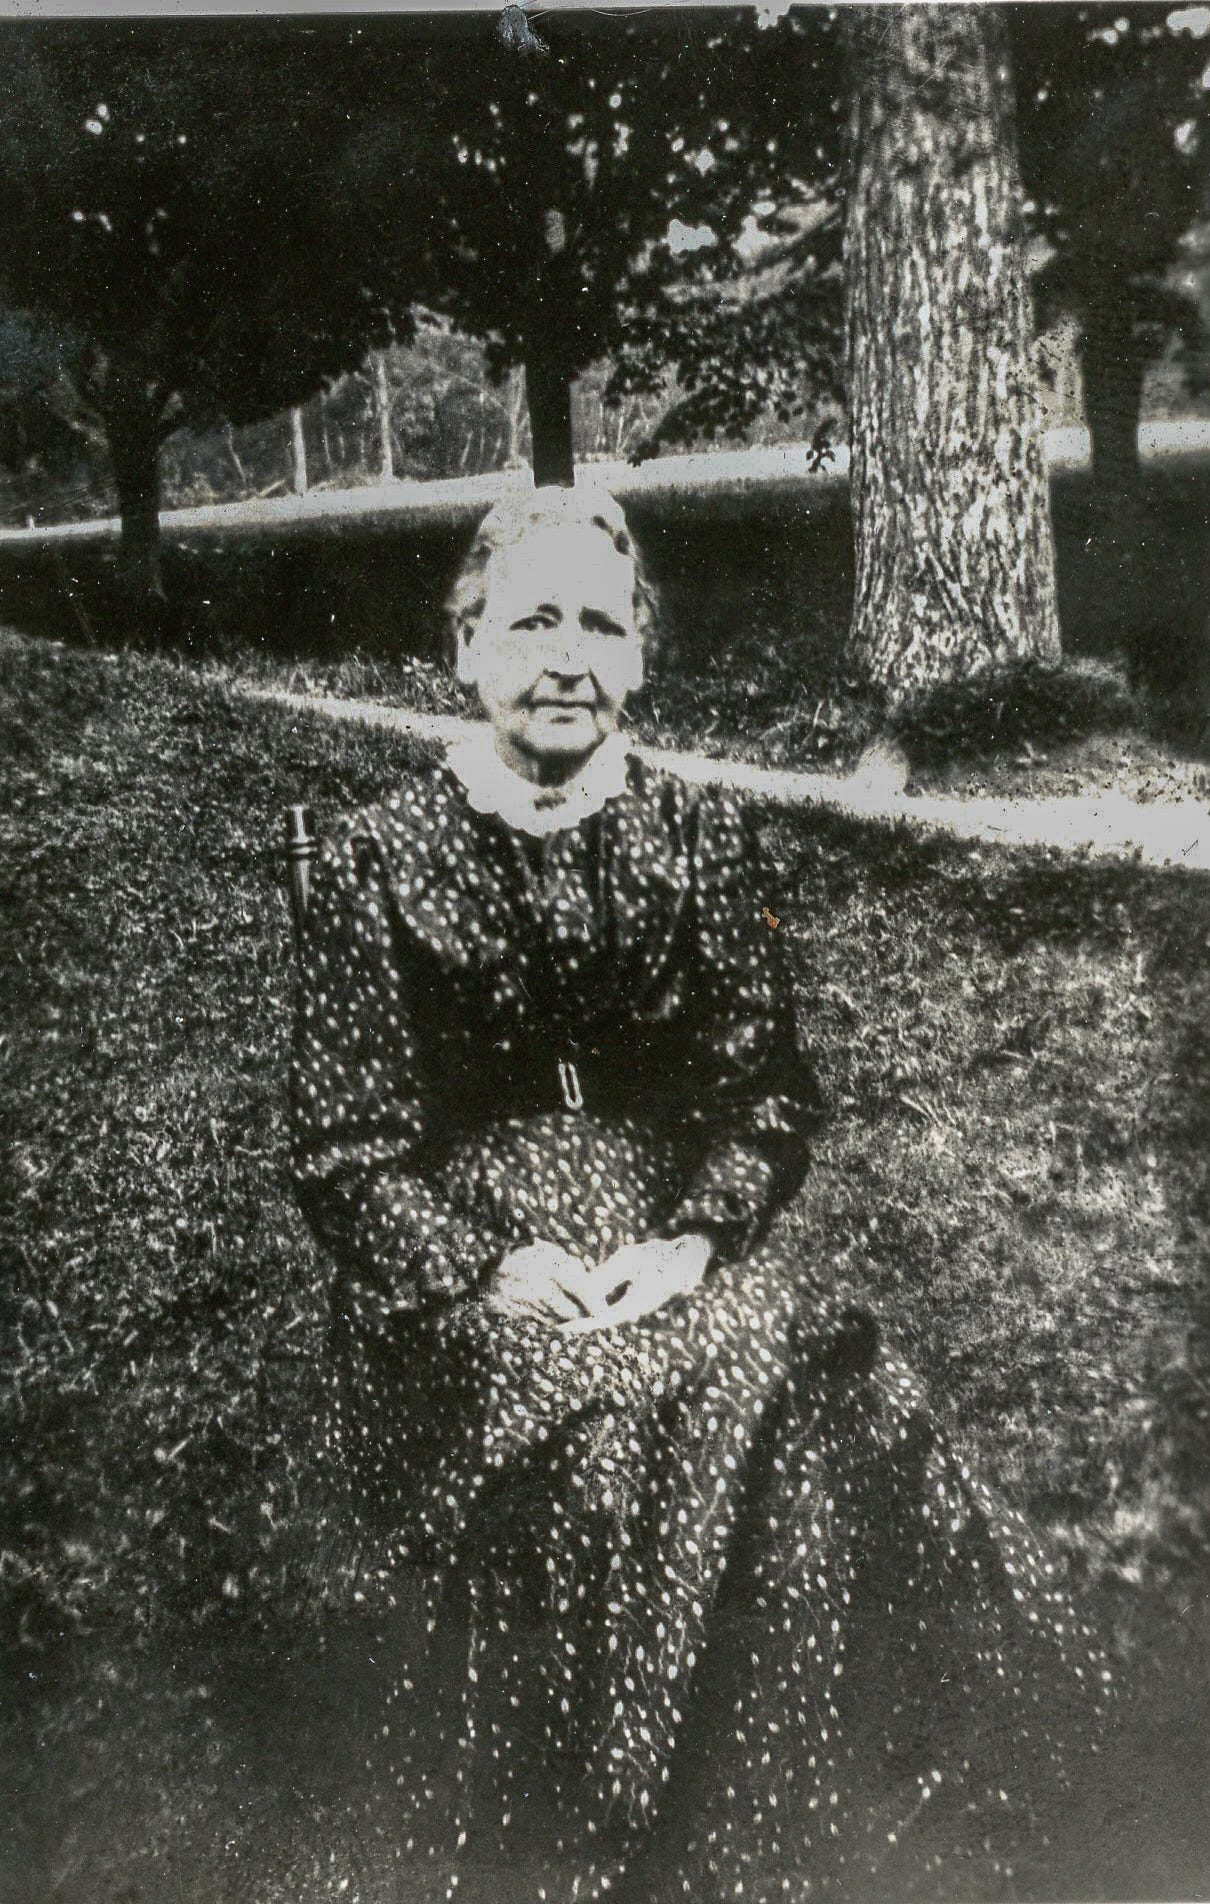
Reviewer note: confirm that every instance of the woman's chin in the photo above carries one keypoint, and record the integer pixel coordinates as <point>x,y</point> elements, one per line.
<point>561,737</point>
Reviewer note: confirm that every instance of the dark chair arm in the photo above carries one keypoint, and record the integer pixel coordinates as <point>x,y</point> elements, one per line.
<point>302,844</point>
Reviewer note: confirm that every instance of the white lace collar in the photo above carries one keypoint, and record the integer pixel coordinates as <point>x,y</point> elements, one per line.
<point>493,787</point>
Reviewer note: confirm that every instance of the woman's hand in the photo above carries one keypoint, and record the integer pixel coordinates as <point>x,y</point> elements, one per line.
<point>542,1280</point>
<point>641,1277</point>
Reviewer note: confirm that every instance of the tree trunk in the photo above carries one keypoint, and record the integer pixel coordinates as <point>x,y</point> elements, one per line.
<point>324,438</point>
<point>382,412</point>
<point>954,556</point>
<point>298,453</point>
<point>133,428</point>
<point>548,369</point>
<point>548,394</point>
<point>1118,550</point>
<point>516,415</point>
<point>1113,362</point>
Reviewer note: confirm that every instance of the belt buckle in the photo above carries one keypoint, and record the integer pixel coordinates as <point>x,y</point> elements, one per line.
<point>569,1084</point>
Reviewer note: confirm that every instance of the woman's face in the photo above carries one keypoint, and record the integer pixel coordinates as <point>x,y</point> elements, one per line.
<point>556,650</point>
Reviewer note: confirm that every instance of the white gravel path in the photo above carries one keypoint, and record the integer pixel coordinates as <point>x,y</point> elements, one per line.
<point>1167,832</point>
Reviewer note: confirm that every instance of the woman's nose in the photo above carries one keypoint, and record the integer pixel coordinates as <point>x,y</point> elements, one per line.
<point>565,656</point>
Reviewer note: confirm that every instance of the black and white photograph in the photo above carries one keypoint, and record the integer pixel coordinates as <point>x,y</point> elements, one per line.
<point>605,952</point>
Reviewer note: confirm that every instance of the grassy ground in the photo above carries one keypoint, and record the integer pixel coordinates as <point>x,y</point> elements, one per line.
<point>1016,1175</point>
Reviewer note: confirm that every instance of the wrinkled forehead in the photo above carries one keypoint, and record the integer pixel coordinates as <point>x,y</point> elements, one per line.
<point>562,560</point>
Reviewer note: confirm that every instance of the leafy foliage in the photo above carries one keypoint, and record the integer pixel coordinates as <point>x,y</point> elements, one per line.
<point>177,209</point>
<point>167,202</point>
<point>759,332</point>
<point>748,344</point>
<point>587,200</point>
<point>223,227</point>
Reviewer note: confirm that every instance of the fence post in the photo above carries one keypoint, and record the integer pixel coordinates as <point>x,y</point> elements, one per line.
<point>382,408</point>
<point>298,451</point>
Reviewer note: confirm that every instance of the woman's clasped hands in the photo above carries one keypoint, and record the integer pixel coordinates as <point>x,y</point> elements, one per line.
<point>547,1283</point>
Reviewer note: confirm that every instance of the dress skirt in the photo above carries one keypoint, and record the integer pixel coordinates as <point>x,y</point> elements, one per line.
<point>700,1606</point>
<point>695,1606</point>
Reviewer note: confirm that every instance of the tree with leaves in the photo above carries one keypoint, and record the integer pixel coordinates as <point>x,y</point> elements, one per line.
<point>1114,121</point>
<point>584,183</point>
<point>180,210</point>
<point>954,556</point>
<point>758,330</point>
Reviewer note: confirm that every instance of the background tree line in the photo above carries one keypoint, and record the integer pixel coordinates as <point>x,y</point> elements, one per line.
<point>693,222</point>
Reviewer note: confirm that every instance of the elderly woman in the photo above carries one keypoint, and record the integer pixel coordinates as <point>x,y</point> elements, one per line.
<point>701,1603</point>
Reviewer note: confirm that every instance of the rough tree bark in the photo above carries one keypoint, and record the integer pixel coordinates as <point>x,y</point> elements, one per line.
<point>954,556</point>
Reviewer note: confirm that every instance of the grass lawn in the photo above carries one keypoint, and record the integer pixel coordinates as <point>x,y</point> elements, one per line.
<point>1017,1176</point>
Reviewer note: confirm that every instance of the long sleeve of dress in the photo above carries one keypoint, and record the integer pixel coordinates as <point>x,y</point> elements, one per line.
<point>754,1093</point>
<point>359,1116</point>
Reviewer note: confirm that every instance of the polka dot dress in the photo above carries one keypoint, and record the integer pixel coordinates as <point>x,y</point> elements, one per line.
<point>697,1606</point>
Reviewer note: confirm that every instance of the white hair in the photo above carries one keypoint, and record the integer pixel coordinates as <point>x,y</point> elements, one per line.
<point>508,523</point>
